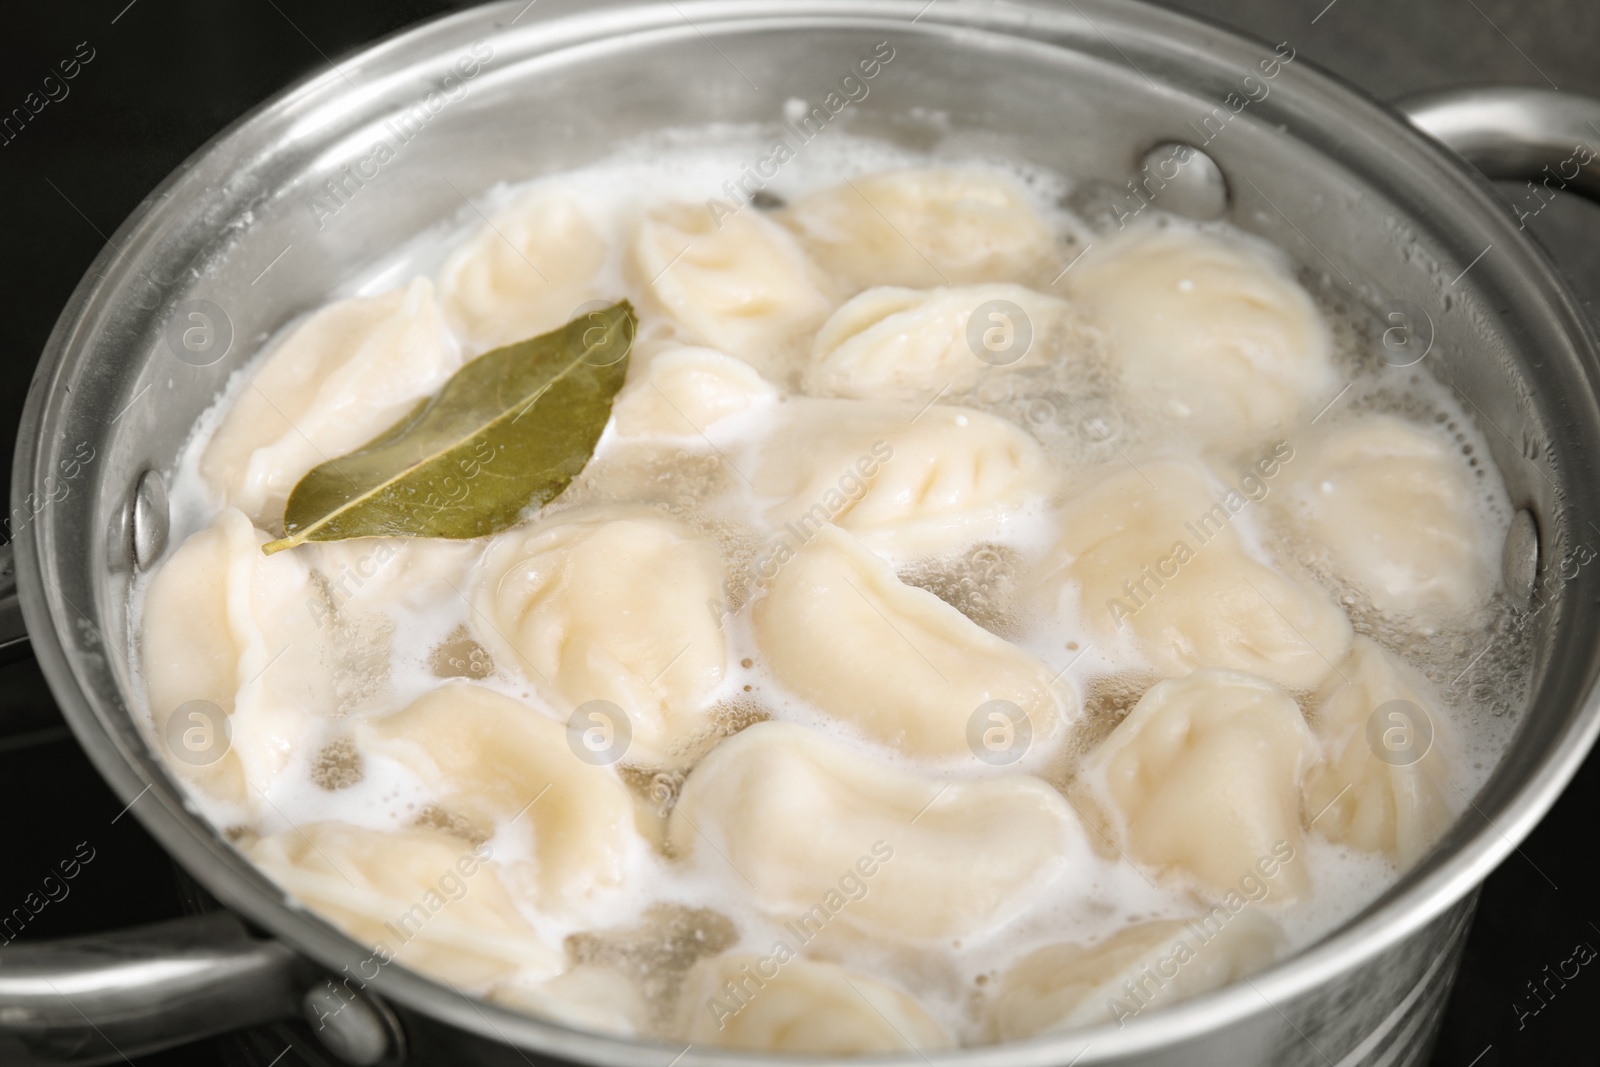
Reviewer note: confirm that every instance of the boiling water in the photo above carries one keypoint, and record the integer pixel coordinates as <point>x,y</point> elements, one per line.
<point>403,630</point>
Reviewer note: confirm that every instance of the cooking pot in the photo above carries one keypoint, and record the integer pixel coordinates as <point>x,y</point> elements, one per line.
<point>263,222</point>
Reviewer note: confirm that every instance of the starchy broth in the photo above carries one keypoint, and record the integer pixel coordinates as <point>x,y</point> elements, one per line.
<point>1014,522</point>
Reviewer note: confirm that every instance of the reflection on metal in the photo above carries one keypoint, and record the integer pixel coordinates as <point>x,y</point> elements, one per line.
<point>151,519</point>
<point>1187,181</point>
<point>1519,558</point>
<point>1537,134</point>
<point>13,633</point>
<point>106,998</point>
<point>353,1026</point>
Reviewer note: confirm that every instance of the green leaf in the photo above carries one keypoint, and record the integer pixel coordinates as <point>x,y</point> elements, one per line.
<point>511,428</point>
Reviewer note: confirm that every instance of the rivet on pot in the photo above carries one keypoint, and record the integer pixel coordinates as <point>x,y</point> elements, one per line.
<point>1183,180</point>
<point>353,1026</point>
<point>1519,559</point>
<point>151,519</point>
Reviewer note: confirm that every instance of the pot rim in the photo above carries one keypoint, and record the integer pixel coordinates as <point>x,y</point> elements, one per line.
<point>1416,899</point>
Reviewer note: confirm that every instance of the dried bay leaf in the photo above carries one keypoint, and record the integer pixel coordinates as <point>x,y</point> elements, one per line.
<point>509,429</point>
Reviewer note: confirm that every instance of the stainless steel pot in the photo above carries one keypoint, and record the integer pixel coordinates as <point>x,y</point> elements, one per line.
<point>236,235</point>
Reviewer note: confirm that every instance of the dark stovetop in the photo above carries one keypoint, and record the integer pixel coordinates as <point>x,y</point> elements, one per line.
<point>164,75</point>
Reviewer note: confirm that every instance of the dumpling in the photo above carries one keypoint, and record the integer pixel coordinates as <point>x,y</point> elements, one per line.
<point>280,641</point>
<point>588,996</point>
<point>1394,506</point>
<point>609,605</point>
<point>1204,775</point>
<point>1383,785</point>
<point>394,576</point>
<point>907,483</point>
<point>779,1003</point>
<point>922,228</point>
<point>420,897</point>
<point>337,381</point>
<point>524,273</point>
<point>1140,967</point>
<point>912,344</point>
<point>684,391</point>
<point>225,624</point>
<point>895,662</point>
<point>1163,574</point>
<point>818,832</point>
<point>496,763</point>
<point>1214,337</point>
<point>739,284</point>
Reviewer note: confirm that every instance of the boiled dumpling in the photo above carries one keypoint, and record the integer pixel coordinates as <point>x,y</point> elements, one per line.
<point>1204,775</point>
<point>895,662</point>
<point>393,576</point>
<point>906,482</point>
<point>922,228</point>
<point>778,1003</point>
<point>1145,966</point>
<point>225,624</point>
<point>1394,506</point>
<point>279,641</point>
<point>588,996</point>
<point>609,606</point>
<point>337,381</point>
<point>912,344</point>
<point>421,897</point>
<point>1383,785</point>
<point>1163,574</point>
<point>793,813</point>
<point>740,284</point>
<point>1216,338</point>
<point>525,273</point>
<point>684,391</point>
<point>494,762</point>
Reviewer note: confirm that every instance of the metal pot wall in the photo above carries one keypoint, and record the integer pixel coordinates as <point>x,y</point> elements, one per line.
<point>1087,88</point>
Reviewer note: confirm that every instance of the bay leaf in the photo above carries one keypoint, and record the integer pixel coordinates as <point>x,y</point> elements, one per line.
<point>510,429</point>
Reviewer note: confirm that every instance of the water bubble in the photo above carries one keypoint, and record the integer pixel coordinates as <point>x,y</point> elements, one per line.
<point>664,789</point>
<point>981,585</point>
<point>337,766</point>
<point>460,656</point>
<point>1040,412</point>
<point>1101,427</point>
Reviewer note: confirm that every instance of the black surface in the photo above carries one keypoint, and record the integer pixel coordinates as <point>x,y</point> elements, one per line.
<point>168,74</point>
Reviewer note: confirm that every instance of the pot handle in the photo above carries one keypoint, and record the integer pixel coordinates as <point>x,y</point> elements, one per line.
<point>106,998</point>
<point>13,633</point>
<point>1541,135</point>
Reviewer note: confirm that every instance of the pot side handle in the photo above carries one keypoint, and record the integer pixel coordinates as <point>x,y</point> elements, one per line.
<point>13,633</point>
<point>106,998</point>
<point>1541,135</point>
